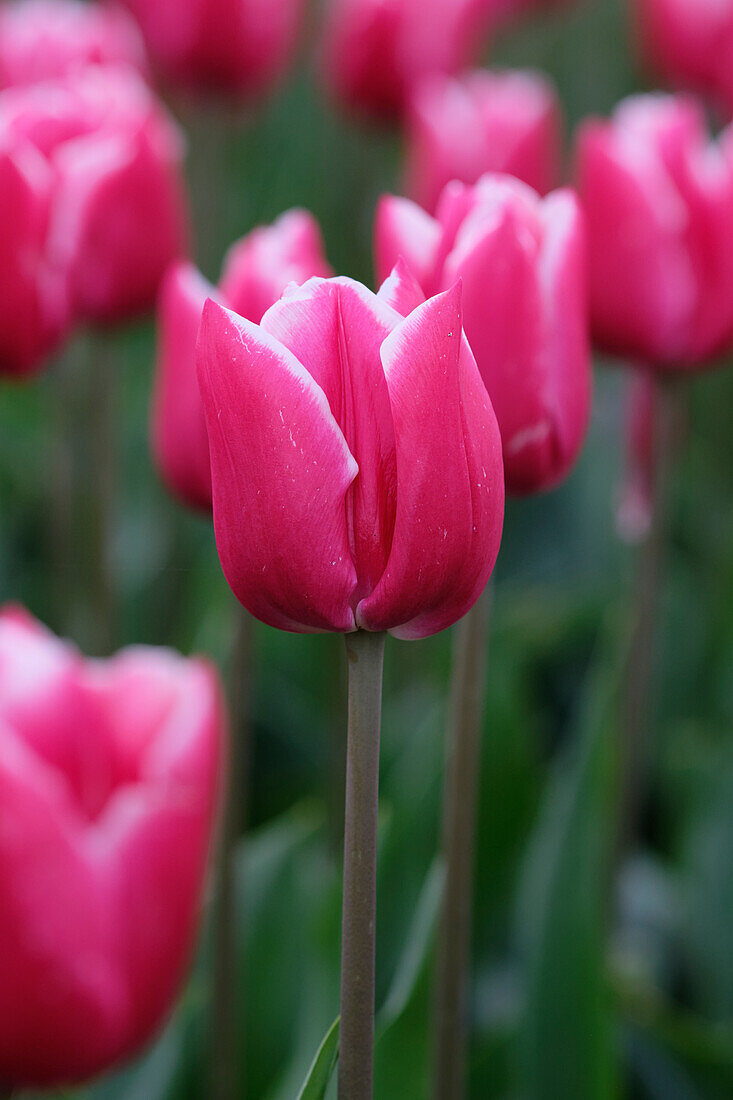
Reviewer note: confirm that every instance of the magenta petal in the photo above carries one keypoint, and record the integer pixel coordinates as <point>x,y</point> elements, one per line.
<point>401,289</point>
<point>403,229</point>
<point>450,481</point>
<point>258,268</point>
<point>180,439</point>
<point>280,470</point>
<point>336,328</point>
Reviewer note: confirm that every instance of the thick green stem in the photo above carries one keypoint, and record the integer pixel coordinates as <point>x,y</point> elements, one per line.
<point>227,990</point>
<point>468,697</point>
<point>365,653</point>
<point>635,733</point>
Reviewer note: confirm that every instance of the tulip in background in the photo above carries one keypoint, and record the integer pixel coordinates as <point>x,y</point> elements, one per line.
<point>375,51</point>
<point>522,262</point>
<point>461,128</point>
<point>358,488</point>
<point>231,46</point>
<point>50,39</point>
<point>256,271</point>
<point>689,44</point>
<point>118,214</point>
<point>658,197</point>
<point>34,312</point>
<point>109,775</point>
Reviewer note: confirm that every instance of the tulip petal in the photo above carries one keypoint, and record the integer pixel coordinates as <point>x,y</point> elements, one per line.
<point>57,956</point>
<point>403,229</point>
<point>180,439</point>
<point>336,328</point>
<point>449,477</point>
<point>258,268</point>
<point>401,289</point>
<point>280,469</point>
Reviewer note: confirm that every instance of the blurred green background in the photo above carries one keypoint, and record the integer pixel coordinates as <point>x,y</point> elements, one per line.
<point>577,995</point>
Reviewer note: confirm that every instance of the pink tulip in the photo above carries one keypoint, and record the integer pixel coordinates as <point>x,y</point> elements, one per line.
<point>375,51</point>
<point>355,459</point>
<point>521,259</point>
<point>658,197</point>
<point>256,271</point>
<point>50,39</point>
<point>233,46</point>
<point>689,44</point>
<point>109,774</point>
<point>33,295</point>
<point>482,122</point>
<point>118,211</point>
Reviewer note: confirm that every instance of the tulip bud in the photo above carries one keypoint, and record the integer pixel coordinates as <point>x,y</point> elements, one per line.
<point>33,295</point>
<point>256,271</point>
<point>658,197</point>
<point>522,263</point>
<point>689,44</point>
<point>375,51</point>
<point>109,774</point>
<point>233,46</point>
<point>118,214</point>
<point>355,460</point>
<point>482,122</point>
<point>51,39</point>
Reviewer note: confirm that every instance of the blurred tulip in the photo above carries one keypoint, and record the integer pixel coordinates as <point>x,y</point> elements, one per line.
<point>375,51</point>
<point>355,460</point>
<point>256,272</point>
<point>33,297</point>
<point>658,197</point>
<point>50,39</point>
<point>689,44</point>
<point>118,213</point>
<point>482,122</point>
<point>234,46</point>
<point>109,774</point>
<point>522,262</point>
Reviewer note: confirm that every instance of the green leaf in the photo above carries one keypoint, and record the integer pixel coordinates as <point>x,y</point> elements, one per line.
<point>324,1063</point>
<point>566,1039</point>
<point>417,949</point>
<point>402,1057</point>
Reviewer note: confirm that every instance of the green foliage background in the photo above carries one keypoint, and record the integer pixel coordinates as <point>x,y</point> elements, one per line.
<point>574,998</point>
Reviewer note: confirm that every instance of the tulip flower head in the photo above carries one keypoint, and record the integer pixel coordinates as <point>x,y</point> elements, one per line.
<point>689,44</point>
<point>230,46</point>
<point>256,272</point>
<point>118,214</point>
<point>461,128</point>
<point>375,51</point>
<point>355,458</point>
<point>109,774</point>
<point>34,313</point>
<point>658,197</point>
<point>521,259</point>
<point>51,39</point>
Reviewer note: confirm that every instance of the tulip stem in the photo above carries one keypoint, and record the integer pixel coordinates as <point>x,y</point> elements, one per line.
<point>634,740</point>
<point>103,440</point>
<point>468,698</point>
<point>365,652</point>
<point>226,1036</point>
